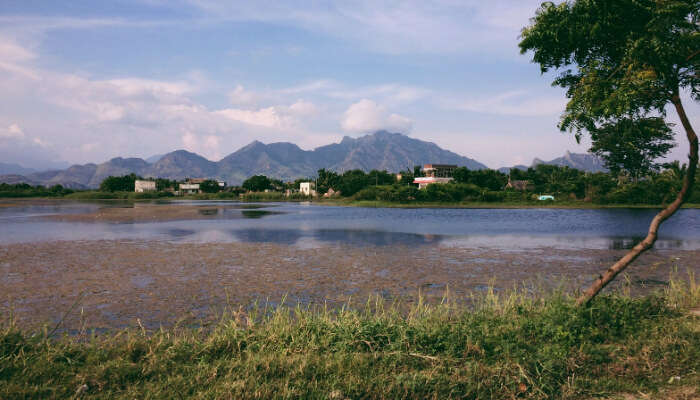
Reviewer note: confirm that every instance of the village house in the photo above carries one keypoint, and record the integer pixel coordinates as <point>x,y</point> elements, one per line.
<point>307,188</point>
<point>141,186</point>
<point>191,186</point>
<point>435,173</point>
<point>520,185</point>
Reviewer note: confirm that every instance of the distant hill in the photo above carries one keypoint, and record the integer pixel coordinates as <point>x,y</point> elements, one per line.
<point>382,150</point>
<point>581,161</point>
<point>14,169</point>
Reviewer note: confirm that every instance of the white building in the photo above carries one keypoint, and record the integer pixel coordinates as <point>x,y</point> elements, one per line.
<point>189,188</point>
<point>435,173</point>
<point>307,188</point>
<point>144,186</point>
<point>423,182</point>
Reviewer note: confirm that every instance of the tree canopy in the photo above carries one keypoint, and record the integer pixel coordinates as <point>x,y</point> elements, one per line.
<point>617,58</point>
<point>633,145</point>
<point>257,183</point>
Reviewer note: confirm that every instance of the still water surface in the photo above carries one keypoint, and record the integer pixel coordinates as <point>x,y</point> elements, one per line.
<point>308,225</point>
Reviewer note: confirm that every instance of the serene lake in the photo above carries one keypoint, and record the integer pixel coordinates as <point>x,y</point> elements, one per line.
<point>307,225</point>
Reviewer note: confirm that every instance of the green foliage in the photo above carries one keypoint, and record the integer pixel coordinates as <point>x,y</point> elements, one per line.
<point>504,346</point>
<point>632,145</point>
<point>119,183</point>
<point>485,178</point>
<point>26,190</point>
<point>257,183</point>
<point>162,184</point>
<point>617,58</point>
<point>326,180</point>
<point>209,186</point>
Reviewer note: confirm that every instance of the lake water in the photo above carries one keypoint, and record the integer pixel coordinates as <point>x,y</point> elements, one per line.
<point>307,225</point>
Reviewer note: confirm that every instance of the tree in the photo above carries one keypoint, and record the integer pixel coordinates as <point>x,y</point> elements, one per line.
<point>119,183</point>
<point>621,59</point>
<point>257,183</point>
<point>209,186</point>
<point>326,180</point>
<point>633,145</point>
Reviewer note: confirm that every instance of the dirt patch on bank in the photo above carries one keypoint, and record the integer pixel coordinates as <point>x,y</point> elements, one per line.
<point>163,283</point>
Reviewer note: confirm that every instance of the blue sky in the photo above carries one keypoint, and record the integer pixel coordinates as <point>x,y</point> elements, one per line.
<point>84,81</point>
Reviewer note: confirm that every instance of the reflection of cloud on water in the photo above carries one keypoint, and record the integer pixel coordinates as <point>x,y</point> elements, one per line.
<point>316,238</point>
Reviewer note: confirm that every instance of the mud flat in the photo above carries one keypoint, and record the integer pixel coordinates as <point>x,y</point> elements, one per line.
<point>114,283</point>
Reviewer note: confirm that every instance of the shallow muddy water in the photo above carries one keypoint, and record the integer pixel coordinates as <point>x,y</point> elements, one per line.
<point>164,263</point>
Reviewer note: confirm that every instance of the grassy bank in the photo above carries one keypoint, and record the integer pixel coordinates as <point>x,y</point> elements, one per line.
<point>505,346</point>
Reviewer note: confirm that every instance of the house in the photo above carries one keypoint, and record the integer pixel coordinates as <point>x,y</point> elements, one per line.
<point>435,173</point>
<point>191,186</point>
<point>307,188</point>
<point>141,186</point>
<point>439,170</point>
<point>520,185</point>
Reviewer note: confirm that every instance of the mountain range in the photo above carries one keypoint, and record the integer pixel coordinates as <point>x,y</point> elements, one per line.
<point>582,161</point>
<point>381,150</point>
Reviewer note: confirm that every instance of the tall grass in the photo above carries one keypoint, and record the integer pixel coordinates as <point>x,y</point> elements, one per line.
<point>509,345</point>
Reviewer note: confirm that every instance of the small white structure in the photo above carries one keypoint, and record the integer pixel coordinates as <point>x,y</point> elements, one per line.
<point>435,173</point>
<point>545,197</point>
<point>307,188</point>
<point>423,182</point>
<point>144,186</point>
<point>189,188</point>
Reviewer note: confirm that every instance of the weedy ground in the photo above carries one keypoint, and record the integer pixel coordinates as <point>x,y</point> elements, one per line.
<point>503,346</point>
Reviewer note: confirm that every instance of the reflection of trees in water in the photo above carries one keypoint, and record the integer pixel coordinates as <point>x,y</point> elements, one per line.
<point>374,238</point>
<point>350,237</point>
<point>177,232</point>
<point>624,243</point>
<point>258,235</point>
<point>628,243</point>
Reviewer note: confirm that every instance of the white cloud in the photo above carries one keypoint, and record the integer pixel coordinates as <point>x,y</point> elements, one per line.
<point>367,116</point>
<point>515,103</point>
<point>303,108</point>
<point>207,145</point>
<point>418,26</point>
<point>242,97</point>
<point>12,132</point>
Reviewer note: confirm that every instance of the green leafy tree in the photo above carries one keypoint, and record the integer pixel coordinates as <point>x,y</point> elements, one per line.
<point>119,183</point>
<point>327,180</point>
<point>209,186</point>
<point>257,183</point>
<point>352,182</point>
<point>633,145</point>
<point>621,59</point>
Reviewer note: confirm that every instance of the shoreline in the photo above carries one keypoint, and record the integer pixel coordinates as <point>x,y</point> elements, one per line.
<point>8,202</point>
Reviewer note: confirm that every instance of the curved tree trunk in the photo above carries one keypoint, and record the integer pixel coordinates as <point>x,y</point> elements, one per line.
<point>667,212</point>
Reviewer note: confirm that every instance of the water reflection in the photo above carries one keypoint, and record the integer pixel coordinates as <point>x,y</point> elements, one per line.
<point>358,238</point>
<point>307,225</point>
<point>255,214</point>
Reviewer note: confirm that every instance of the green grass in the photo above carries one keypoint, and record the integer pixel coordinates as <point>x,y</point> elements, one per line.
<point>503,346</point>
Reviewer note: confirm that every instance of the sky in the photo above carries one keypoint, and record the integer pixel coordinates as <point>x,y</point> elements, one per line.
<point>84,81</point>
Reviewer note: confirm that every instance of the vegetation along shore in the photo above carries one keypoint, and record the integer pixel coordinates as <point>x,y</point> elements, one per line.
<point>508,345</point>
